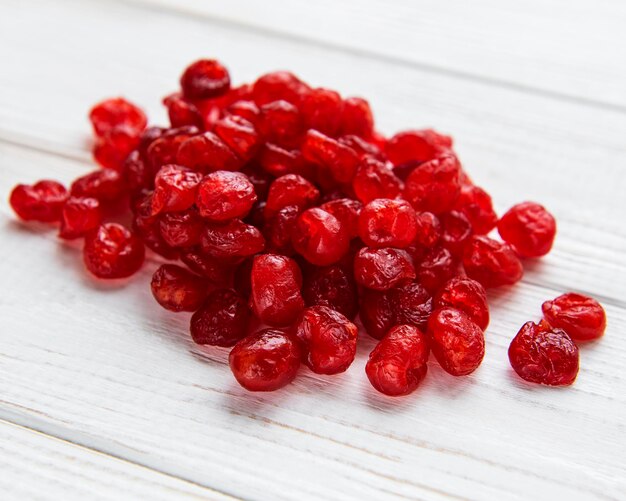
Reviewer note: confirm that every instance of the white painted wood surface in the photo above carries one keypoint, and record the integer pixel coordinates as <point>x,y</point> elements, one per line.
<point>142,412</point>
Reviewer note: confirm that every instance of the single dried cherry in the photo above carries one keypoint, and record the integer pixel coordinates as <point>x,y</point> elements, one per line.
<point>331,286</point>
<point>79,216</point>
<point>204,79</point>
<point>112,251</point>
<point>529,228</point>
<point>387,223</point>
<point>492,263</point>
<point>224,195</point>
<point>319,237</point>
<point>582,317</point>
<point>222,320</point>
<point>382,269</point>
<point>466,295</point>
<point>43,201</point>
<point>176,289</point>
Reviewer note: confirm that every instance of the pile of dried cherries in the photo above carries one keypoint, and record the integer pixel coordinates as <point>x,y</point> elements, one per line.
<point>288,215</point>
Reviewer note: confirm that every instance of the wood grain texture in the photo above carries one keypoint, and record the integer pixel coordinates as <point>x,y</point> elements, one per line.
<point>566,49</point>
<point>37,466</point>
<point>102,366</point>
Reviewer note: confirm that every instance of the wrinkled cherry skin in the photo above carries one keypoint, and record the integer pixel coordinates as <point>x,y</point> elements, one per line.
<point>114,112</point>
<point>43,201</point>
<point>466,295</point>
<point>456,231</point>
<point>357,118</point>
<point>80,215</point>
<point>331,286</point>
<point>112,251</point>
<point>328,340</point>
<point>112,148</point>
<point>434,186</point>
<point>278,230</point>
<point>428,230</point>
<point>545,355</point>
<point>275,296</point>
<point>582,317</point>
<point>232,238</point>
<point>280,123</point>
<point>224,195</point>
<point>279,85</point>
<point>218,270</point>
<point>206,153</point>
<point>529,228</point>
<point>435,268</point>
<point>106,185</point>
<point>382,269</point>
<point>476,205</point>
<point>347,213</point>
<point>398,363</point>
<point>182,112</point>
<point>491,263</point>
<point>319,237</point>
<point>388,223</point>
<point>408,303</point>
<point>239,135</point>
<point>374,179</point>
<point>204,79</point>
<point>321,110</point>
<point>181,229</point>
<point>266,360</point>
<point>457,343</point>
<point>339,160</point>
<point>290,189</point>
<point>417,146</point>
<point>175,189</point>
<point>176,289</point>
<point>222,320</point>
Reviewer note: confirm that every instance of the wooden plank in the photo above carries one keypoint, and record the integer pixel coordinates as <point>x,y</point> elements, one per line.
<point>37,466</point>
<point>563,48</point>
<point>123,376</point>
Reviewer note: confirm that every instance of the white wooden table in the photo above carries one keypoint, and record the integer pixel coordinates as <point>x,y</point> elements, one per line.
<point>102,394</point>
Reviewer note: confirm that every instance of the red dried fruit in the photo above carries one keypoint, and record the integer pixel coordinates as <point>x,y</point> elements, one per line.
<point>417,146</point>
<point>290,189</point>
<point>204,79</point>
<point>278,161</point>
<point>136,173</point>
<point>582,317</point>
<point>112,251</point>
<point>321,110</point>
<point>279,85</point>
<point>276,282</point>
<point>457,343</point>
<point>435,268</point>
<point>373,180</point>
<point>224,195</point>
<point>328,340</point>
<point>280,123</point>
<point>434,185</point>
<point>319,237</point>
<point>428,231</point>
<point>529,228</point>
<point>412,304</point>
<point>182,112</point>
<point>222,320</point>
<point>331,286</point>
<point>116,112</point>
<point>545,355</point>
<point>408,303</point>
<point>278,230</point>
<point>43,201</point>
<point>340,160</point>
<point>476,205</point>
<point>398,363</point>
<point>466,295</point>
<point>347,213</point>
<point>80,215</point>
<point>113,147</point>
<point>259,179</point>
<point>181,229</point>
<point>492,263</point>
<point>265,361</point>
<point>245,109</point>
<point>207,153</point>
<point>217,270</point>
<point>148,228</point>
<point>164,149</point>
<point>106,185</point>
<point>239,135</point>
<point>232,238</point>
<point>357,118</point>
<point>382,269</point>
<point>175,189</point>
<point>387,223</point>
<point>176,289</point>
<point>362,148</point>
<point>456,232</point>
